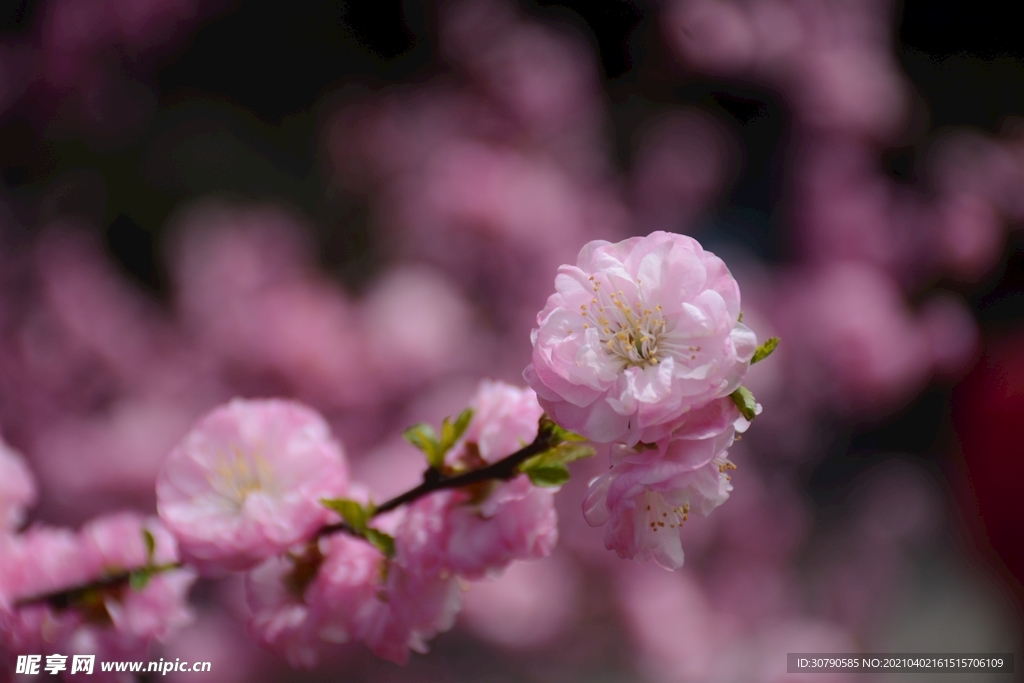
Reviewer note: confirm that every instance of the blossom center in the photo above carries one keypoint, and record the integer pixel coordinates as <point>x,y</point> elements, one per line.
<point>661,515</point>
<point>630,333</point>
<point>238,475</point>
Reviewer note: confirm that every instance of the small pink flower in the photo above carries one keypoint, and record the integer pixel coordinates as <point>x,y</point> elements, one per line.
<point>292,614</point>
<point>281,618</point>
<point>40,561</point>
<point>517,521</point>
<point>651,490</point>
<point>114,543</point>
<point>348,587</point>
<point>505,418</point>
<point>17,488</point>
<point>488,528</point>
<point>46,560</point>
<point>414,608</point>
<point>419,597</point>
<point>392,605</point>
<point>117,542</point>
<point>246,482</point>
<point>637,334</point>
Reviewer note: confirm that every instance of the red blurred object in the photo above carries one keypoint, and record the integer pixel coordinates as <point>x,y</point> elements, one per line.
<point>988,409</point>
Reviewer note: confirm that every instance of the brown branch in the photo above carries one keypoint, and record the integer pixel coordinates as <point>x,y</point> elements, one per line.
<point>111,583</point>
<point>433,480</point>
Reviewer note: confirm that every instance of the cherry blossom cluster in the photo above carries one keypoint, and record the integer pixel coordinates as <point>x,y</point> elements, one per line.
<point>262,487</point>
<point>642,349</point>
<point>108,589</point>
<point>640,352</point>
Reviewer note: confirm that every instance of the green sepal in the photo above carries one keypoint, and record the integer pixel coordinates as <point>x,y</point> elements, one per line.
<point>739,319</point>
<point>381,541</point>
<point>355,515</point>
<point>358,517</point>
<point>549,468</point>
<point>139,578</point>
<point>147,538</point>
<point>765,349</point>
<point>548,475</point>
<point>745,401</point>
<point>423,437</point>
<point>451,431</point>
<point>555,433</point>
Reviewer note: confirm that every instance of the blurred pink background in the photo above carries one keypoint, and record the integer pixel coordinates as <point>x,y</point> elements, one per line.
<point>363,205</point>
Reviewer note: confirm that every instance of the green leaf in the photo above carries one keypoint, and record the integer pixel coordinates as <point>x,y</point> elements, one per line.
<point>765,350</point>
<point>139,578</point>
<point>358,517</point>
<point>555,433</point>
<point>354,514</point>
<point>548,475</point>
<point>549,468</point>
<point>740,318</point>
<point>745,401</point>
<point>381,541</point>
<point>451,431</point>
<point>561,455</point>
<point>423,437</point>
<point>150,542</point>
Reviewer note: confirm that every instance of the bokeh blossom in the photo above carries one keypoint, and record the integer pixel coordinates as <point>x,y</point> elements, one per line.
<point>420,596</point>
<point>246,482</point>
<point>638,333</point>
<point>17,488</point>
<point>117,622</point>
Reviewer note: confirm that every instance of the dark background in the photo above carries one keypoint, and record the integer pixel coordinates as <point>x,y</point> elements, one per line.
<point>239,103</point>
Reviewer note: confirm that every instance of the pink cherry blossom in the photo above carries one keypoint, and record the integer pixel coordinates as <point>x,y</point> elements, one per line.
<point>348,587</point>
<point>505,419</point>
<point>40,561</point>
<point>115,543</point>
<point>17,488</point>
<point>281,619</point>
<point>246,482</point>
<point>637,334</point>
<point>421,596</point>
<point>499,522</point>
<point>650,491</point>
<point>296,617</point>
<point>517,521</point>
<point>393,605</point>
<point>47,560</point>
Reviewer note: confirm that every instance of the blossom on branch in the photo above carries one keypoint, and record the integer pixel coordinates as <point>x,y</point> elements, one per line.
<point>245,484</point>
<point>497,522</point>
<point>61,590</point>
<point>651,489</point>
<point>637,334</point>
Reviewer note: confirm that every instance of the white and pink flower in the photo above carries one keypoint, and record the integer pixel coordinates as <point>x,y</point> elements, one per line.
<point>281,618</point>
<point>124,621</point>
<point>420,596</point>
<point>499,522</point>
<point>116,542</point>
<point>245,484</point>
<point>638,333</point>
<point>651,489</point>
